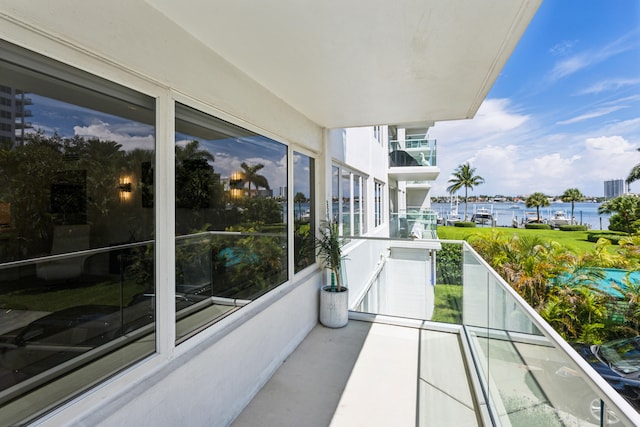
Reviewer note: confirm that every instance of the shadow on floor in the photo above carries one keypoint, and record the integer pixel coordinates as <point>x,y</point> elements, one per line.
<point>306,389</point>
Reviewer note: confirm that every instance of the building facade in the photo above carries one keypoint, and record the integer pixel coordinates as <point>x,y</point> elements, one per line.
<point>613,188</point>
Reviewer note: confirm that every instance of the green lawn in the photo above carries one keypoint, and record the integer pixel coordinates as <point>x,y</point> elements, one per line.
<point>574,240</point>
<point>448,304</point>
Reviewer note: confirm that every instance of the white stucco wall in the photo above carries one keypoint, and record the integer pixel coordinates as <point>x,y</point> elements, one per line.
<point>215,375</point>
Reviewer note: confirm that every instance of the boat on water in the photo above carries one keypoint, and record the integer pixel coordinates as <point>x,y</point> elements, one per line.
<point>559,218</point>
<point>452,218</point>
<point>482,215</point>
<point>532,218</point>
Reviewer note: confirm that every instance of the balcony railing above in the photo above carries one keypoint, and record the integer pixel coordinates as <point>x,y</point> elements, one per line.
<point>415,224</point>
<point>412,152</point>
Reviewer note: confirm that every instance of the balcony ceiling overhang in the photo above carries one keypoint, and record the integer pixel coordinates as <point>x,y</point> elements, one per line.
<point>363,62</point>
<point>414,173</point>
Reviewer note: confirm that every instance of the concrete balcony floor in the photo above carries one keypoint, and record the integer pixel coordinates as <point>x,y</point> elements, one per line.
<point>367,374</point>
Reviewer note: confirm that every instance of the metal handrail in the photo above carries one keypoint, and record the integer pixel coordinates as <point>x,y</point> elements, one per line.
<point>70,255</point>
<point>106,249</point>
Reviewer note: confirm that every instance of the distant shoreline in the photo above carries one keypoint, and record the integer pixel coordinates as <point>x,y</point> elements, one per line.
<point>585,213</point>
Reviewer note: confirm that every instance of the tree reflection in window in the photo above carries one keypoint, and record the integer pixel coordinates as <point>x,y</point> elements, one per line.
<point>231,206</point>
<point>303,178</point>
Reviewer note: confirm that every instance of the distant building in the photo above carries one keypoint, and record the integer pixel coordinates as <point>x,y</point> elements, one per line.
<point>13,116</point>
<point>613,188</point>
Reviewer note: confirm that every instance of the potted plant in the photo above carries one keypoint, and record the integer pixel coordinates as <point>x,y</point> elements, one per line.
<point>334,298</point>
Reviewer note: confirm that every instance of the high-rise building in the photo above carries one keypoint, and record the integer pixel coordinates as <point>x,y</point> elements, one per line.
<point>613,188</point>
<point>13,116</point>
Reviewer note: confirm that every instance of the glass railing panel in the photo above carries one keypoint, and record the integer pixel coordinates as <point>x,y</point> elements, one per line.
<point>57,327</point>
<point>528,377</point>
<point>417,224</point>
<point>412,152</point>
<point>444,392</point>
<point>525,370</point>
<point>532,382</point>
<point>218,272</point>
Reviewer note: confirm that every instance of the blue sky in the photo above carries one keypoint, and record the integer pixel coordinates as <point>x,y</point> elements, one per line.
<point>565,110</point>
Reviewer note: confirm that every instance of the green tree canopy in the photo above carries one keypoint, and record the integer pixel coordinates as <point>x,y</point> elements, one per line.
<point>194,176</point>
<point>537,200</point>
<point>572,195</point>
<point>299,199</point>
<point>626,213</point>
<point>464,176</point>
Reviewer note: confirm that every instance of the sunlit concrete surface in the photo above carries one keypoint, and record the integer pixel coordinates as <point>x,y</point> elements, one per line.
<point>365,374</point>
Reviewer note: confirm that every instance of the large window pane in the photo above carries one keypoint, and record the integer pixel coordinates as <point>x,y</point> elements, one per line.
<point>231,203</point>
<point>347,207</point>
<point>358,206</point>
<point>304,208</point>
<point>76,250</point>
<point>378,203</point>
<point>335,194</point>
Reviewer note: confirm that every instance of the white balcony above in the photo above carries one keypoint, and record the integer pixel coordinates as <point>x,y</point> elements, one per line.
<point>414,173</point>
<point>360,63</point>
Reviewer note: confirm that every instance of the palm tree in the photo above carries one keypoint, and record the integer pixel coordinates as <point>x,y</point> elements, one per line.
<point>537,200</point>
<point>299,199</point>
<point>464,176</point>
<point>572,195</point>
<point>252,177</point>
<point>192,151</point>
<point>634,174</point>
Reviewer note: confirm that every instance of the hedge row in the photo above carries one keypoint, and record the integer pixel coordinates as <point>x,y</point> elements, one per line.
<point>613,236</point>
<point>536,226</point>
<point>574,227</point>
<point>464,224</point>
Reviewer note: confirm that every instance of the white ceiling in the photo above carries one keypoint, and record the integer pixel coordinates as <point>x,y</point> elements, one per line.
<point>345,63</point>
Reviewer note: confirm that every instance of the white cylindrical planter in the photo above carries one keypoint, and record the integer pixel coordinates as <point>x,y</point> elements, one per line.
<point>334,307</point>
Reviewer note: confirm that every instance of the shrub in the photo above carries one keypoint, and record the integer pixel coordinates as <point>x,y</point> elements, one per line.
<point>464,224</point>
<point>611,235</point>
<point>534,226</point>
<point>574,227</point>
<point>449,265</point>
<point>613,238</point>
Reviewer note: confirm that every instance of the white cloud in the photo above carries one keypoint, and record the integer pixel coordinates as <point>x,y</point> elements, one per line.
<point>607,145</point>
<point>516,155</point>
<point>591,115</point>
<point>493,117</point>
<point>607,85</point>
<point>562,48</point>
<point>585,59</point>
<point>570,65</point>
<point>629,128</point>
<point>104,132</point>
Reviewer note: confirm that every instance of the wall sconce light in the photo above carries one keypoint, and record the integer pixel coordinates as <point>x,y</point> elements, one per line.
<point>236,185</point>
<point>125,188</point>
